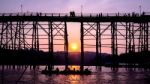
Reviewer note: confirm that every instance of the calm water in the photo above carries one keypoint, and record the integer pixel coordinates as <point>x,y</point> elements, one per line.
<point>105,76</point>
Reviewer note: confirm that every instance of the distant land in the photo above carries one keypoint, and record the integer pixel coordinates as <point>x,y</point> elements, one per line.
<point>74,58</point>
<point>33,57</point>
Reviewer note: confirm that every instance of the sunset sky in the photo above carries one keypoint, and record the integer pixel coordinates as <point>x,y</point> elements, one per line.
<point>65,6</point>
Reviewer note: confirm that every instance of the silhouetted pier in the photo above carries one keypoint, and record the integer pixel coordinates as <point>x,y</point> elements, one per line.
<point>21,37</point>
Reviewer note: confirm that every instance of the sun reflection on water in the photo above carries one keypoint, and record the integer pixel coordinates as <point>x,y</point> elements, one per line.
<point>75,68</point>
<point>74,79</point>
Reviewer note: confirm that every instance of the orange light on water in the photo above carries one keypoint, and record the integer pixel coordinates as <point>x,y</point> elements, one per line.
<point>73,67</point>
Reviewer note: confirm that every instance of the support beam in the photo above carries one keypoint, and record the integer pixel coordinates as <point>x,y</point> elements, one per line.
<point>97,45</point>
<point>66,46</point>
<point>127,37</point>
<point>50,46</point>
<point>2,34</point>
<point>82,47</point>
<point>100,44</point>
<point>114,43</point>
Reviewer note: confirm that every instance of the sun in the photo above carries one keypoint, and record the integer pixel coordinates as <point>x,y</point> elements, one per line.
<point>74,46</point>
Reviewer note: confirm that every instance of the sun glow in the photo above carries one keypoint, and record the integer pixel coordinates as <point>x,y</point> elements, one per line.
<point>74,47</point>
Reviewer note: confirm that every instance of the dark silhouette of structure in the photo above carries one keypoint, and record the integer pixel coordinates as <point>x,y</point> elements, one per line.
<point>20,34</point>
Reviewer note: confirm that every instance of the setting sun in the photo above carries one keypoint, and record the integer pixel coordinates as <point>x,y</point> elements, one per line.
<point>74,46</point>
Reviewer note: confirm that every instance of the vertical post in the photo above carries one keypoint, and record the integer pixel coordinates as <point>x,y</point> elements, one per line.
<point>97,44</point>
<point>37,36</point>
<point>141,37</point>
<point>7,35</point>
<point>50,40</point>
<point>129,32</point>
<point>139,43</point>
<point>100,45</point>
<point>144,36</point>
<point>49,46</point>
<point>16,32</point>
<point>2,34</point>
<point>19,38</point>
<point>147,34</point>
<point>23,30</point>
<point>114,43</point>
<point>126,37</point>
<point>35,40</point>
<point>82,47</point>
<point>1,43</point>
<point>133,39</point>
<point>11,35</point>
<point>52,47</point>
<point>66,46</point>
<point>33,31</point>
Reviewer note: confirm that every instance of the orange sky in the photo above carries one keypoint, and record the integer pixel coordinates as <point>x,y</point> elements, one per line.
<point>65,6</point>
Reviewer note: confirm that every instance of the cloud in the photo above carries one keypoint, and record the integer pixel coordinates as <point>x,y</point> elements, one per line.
<point>89,6</point>
<point>75,5</point>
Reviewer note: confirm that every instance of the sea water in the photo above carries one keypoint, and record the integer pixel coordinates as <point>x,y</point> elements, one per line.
<point>104,76</point>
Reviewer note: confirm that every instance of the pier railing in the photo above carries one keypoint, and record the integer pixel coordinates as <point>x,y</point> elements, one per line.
<point>74,14</point>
